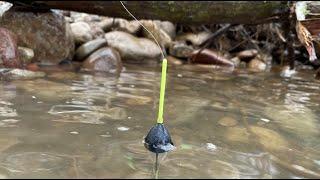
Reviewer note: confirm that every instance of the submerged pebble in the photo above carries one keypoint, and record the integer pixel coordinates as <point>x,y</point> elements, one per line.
<point>228,121</point>
<point>116,113</point>
<point>268,138</point>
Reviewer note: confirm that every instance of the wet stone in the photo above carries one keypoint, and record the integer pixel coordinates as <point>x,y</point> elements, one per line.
<point>105,59</point>
<point>8,49</point>
<point>81,32</point>
<point>87,48</point>
<point>269,139</point>
<point>180,49</point>
<point>133,48</point>
<point>23,74</point>
<point>174,61</point>
<point>139,101</point>
<point>31,30</point>
<point>228,121</point>
<point>116,113</point>
<point>155,28</point>
<point>256,65</point>
<point>195,39</point>
<point>25,54</point>
<point>247,54</point>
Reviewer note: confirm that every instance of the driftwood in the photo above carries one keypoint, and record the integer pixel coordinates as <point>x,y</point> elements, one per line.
<point>184,12</point>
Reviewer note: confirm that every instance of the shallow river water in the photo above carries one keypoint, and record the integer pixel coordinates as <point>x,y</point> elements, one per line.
<point>223,124</point>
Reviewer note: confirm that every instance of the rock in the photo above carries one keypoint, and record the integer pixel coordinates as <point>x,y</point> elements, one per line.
<point>25,54</point>
<point>81,32</point>
<point>84,17</point>
<point>63,12</point>
<point>143,100</point>
<point>180,49</point>
<point>287,72</point>
<point>133,48</point>
<point>256,65</point>
<point>236,61</point>
<point>87,48</point>
<point>289,118</point>
<point>243,64</point>
<point>154,27</point>
<point>174,61</point>
<point>96,30</point>
<point>208,56</point>
<point>194,39</point>
<point>131,27</point>
<point>169,28</point>
<point>8,49</point>
<point>106,24</point>
<point>32,67</point>
<point>117,113</point>
<point>23,74</point>
<point>228,121</point>
<point>48,34</point>
<point>267,138</point>
<point>119,24</point>
<point>68,19</point>
<point>4,6</point>
<point>105,59</point>
<point>247,54</point>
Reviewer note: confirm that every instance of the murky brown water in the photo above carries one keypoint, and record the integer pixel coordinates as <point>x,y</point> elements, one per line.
<point>224,125</point>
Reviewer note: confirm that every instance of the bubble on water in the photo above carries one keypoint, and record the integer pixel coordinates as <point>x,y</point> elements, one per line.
<point>211,146</point>
<point>122,128</point>
<point>265,120</point>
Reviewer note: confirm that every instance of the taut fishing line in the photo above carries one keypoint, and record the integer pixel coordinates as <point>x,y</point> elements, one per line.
<point>162,53</point>
<point>158,139</point>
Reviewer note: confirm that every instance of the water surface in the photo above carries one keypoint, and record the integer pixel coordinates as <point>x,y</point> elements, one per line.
<point>224,125</point>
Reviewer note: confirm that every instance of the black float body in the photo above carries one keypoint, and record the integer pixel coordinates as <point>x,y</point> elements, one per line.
<point>158,139</point>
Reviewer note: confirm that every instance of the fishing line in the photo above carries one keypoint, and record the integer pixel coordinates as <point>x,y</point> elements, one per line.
<point>162,53</point>
<point>158,139</point>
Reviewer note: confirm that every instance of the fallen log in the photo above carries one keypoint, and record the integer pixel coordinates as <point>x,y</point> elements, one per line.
<point>184,12</point>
